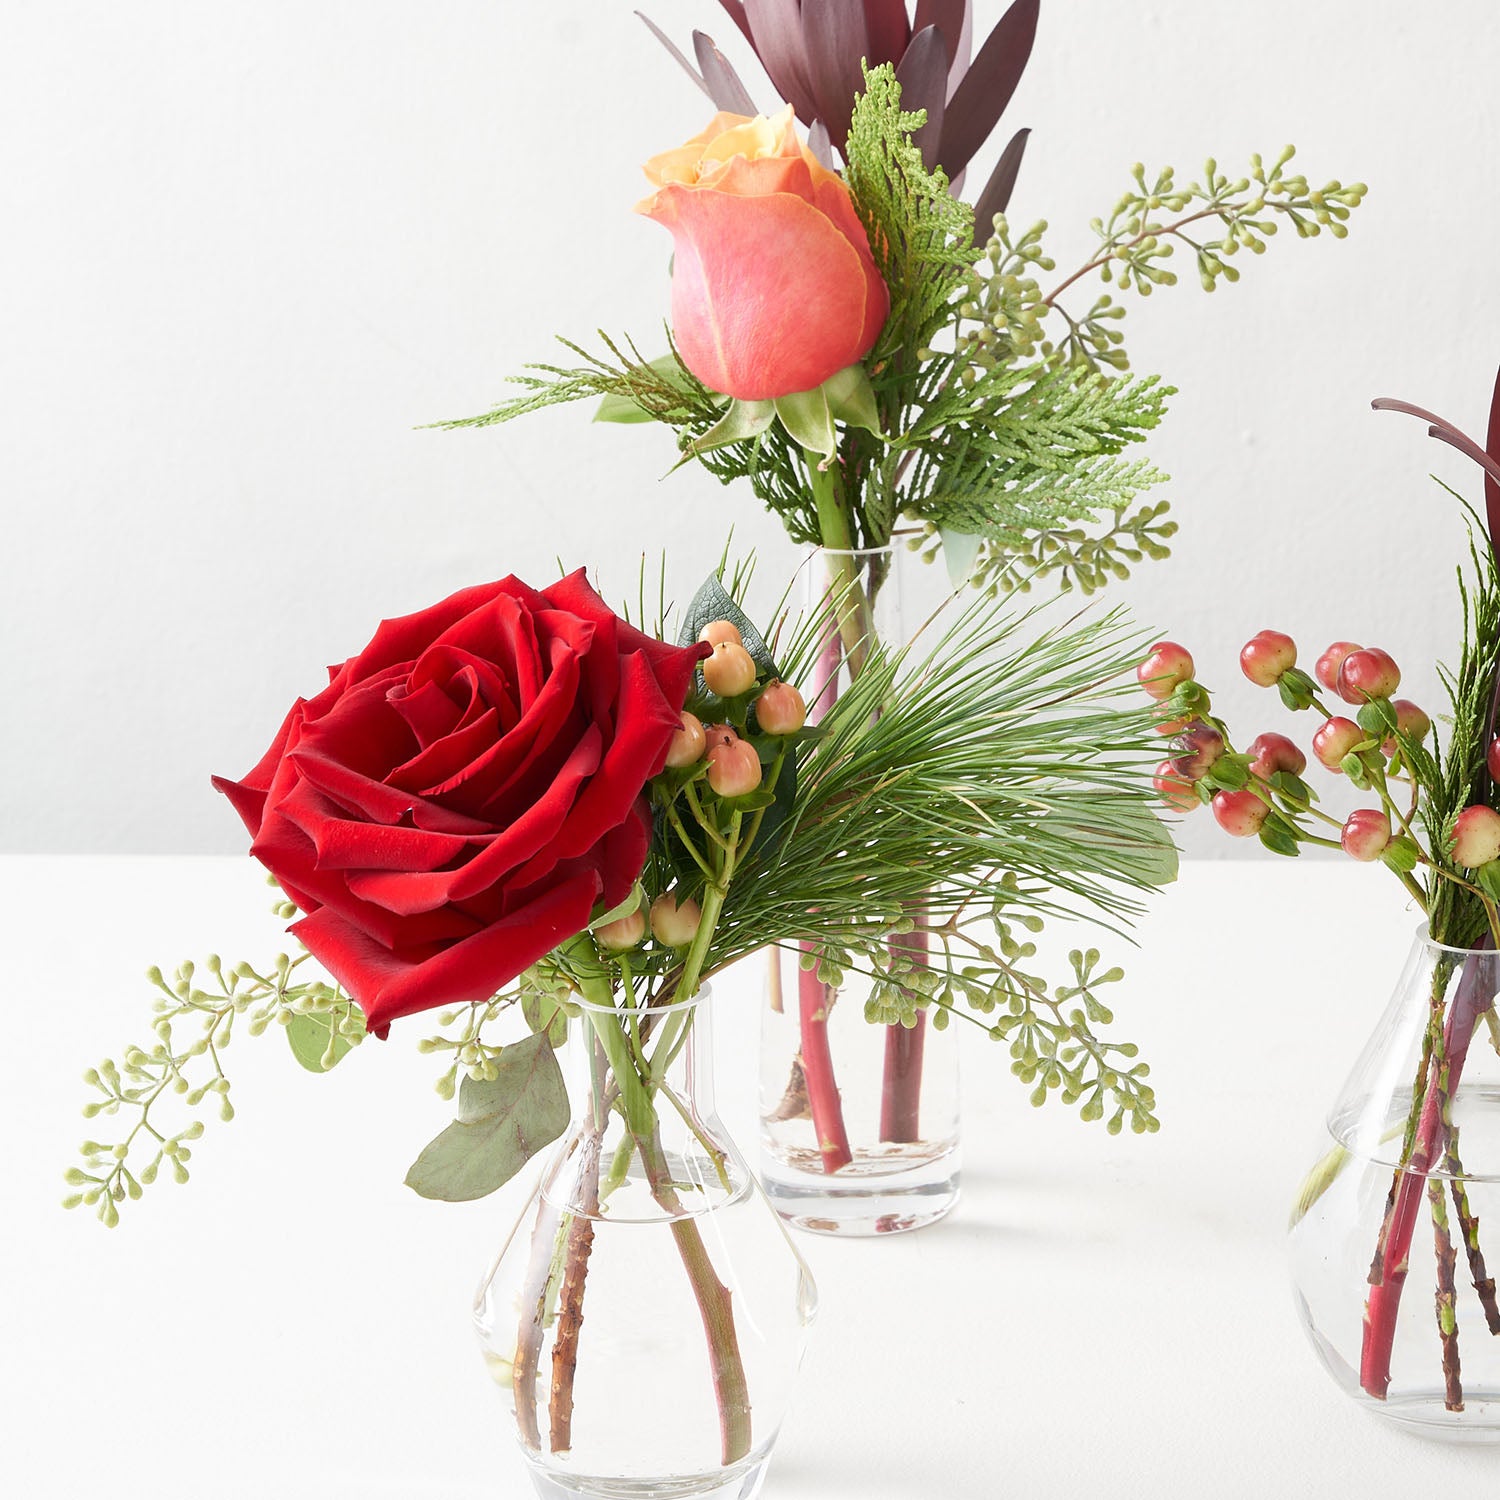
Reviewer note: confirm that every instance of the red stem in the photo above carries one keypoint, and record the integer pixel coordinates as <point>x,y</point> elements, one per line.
<point>901,1090</point>
<point>1388,1276</point>
<point>813,999</point>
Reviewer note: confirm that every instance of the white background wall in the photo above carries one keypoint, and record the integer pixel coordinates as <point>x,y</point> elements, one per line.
<point>247,249</point>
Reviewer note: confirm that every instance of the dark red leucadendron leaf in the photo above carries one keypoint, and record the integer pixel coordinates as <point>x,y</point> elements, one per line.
<point>951,17</point>
<point>835,39</point>
<point>995,198</point>
<point>886,26</point>
<point>980,100</point>
<point>723,83</point>
<point>676,52</point>
<point>736,11</point>
<point>923,76</point>
<point>776,35</point>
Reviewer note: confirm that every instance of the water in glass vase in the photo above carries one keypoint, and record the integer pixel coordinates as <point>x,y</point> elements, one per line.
<point>645,1318</point>
<point>1393,1237</point>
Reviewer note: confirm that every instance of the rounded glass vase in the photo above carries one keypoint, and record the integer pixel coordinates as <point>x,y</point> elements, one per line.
<point>646,1316</point>
<point>1395,1234</point>
<point>859,1121</point>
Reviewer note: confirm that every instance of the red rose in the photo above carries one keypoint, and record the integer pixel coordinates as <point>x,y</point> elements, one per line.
<point>464,792</point>
<point>773,285</point>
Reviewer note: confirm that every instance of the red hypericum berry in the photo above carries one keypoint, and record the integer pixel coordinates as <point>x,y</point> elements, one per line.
<point>1411,721</point>
<point>1201,747</point>
<point>1334,740</point>
<point>1365,834</point>
<point>1241,814</point>
<point>688,744</point>
<point>1165,666</point>
<point>1266,655</point>
<point>674,923</point>
<point>717,631</point>
<point>1476,837</point>
<point>1492,758</point>
<point>730,671</point>
<point>1270,753</point>
<point>1173,788</point>
<point>1368,674</point>
<point>1327,668</point>
<point>733,768</point>
<point>780,709</point>
<point>622,933</point>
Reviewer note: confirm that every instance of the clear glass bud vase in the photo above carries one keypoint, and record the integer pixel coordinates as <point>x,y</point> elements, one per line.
<point>859,1121</point>
<point>1395,1233</point>
<point>646,1316</point>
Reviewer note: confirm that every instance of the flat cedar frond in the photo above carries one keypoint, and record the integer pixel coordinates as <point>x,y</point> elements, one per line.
<point>921,236</point>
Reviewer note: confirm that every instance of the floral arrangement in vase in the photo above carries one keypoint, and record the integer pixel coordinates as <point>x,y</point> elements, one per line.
<point>883,366</point>
<point>521,812</point>
<point>1415,1130</point>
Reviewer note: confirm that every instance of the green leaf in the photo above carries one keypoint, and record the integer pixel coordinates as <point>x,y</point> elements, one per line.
<point>851,398</point>
<point>960,550</point>
<point>308,1035</point>
<point>806,415</point>
<point>544,1014</point>
<point>1129,832</point>
<point>743,419</point>
<point>502,1123</point>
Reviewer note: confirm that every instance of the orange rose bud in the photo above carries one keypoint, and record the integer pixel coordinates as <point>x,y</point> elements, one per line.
<point>780,709</point>
<point>730,671</point>
<point>624,932</point>
<point>1476,837</point>
<point>721,630</point>
<point>733,768</point>
<point>675,923</point>
<point>774,288</point>
<point>688,744</point>
<point>1165,666</point>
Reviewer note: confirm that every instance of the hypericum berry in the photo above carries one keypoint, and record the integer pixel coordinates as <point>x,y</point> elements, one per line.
<point>1365,834</point>
<point>1173,788</point>
<point>1240,814</point>
<point>1492,758</point>
<point>1411,721</point>
<point>1368,674</point>
<point>733,767</point>
<point>674,922</point>
<point>688,744</point>
<point>1175,723</point>
<point>1266,655</point>
<point>780,709</point>
<point>730,671</point>
<point>624,932</point>
<point>1328,664</point>
<point>1201,747</point>
<point>717,631</point>
<point>1334,740</point>
<point>1270,753</point>
<point>1165,666</point>
<point>1476,837</point>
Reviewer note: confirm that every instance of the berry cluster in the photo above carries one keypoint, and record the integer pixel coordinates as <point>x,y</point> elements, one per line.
<point>1261,792</point>
<point>739,759</point>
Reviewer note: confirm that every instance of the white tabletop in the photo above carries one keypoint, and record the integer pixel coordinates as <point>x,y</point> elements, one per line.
<point>1099,1315</point>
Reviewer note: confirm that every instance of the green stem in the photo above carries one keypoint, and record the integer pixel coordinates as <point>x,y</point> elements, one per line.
<point>850,605</point>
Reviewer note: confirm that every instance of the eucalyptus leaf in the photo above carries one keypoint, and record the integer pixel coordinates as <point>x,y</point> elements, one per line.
<point>960,551</point>
<point>502,1123</point>
<point>544,1014</point>
<point>308,1034</point>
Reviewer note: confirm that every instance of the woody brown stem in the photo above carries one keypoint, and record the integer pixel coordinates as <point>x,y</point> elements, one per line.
<point>580,1244</point>
<point>533,1326</point>
<point>1447,1296</point>
<point>1468,1221</point>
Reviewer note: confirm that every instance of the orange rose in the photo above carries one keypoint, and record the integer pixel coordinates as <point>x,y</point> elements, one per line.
<point>773,288</point>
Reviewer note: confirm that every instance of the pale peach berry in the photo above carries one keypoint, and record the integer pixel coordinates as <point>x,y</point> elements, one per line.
<point>730,671</point>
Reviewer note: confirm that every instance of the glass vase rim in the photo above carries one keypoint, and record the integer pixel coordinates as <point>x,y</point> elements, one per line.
<point>888,549</point>
<point>676,1008</point>
<point>1424,937</point>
